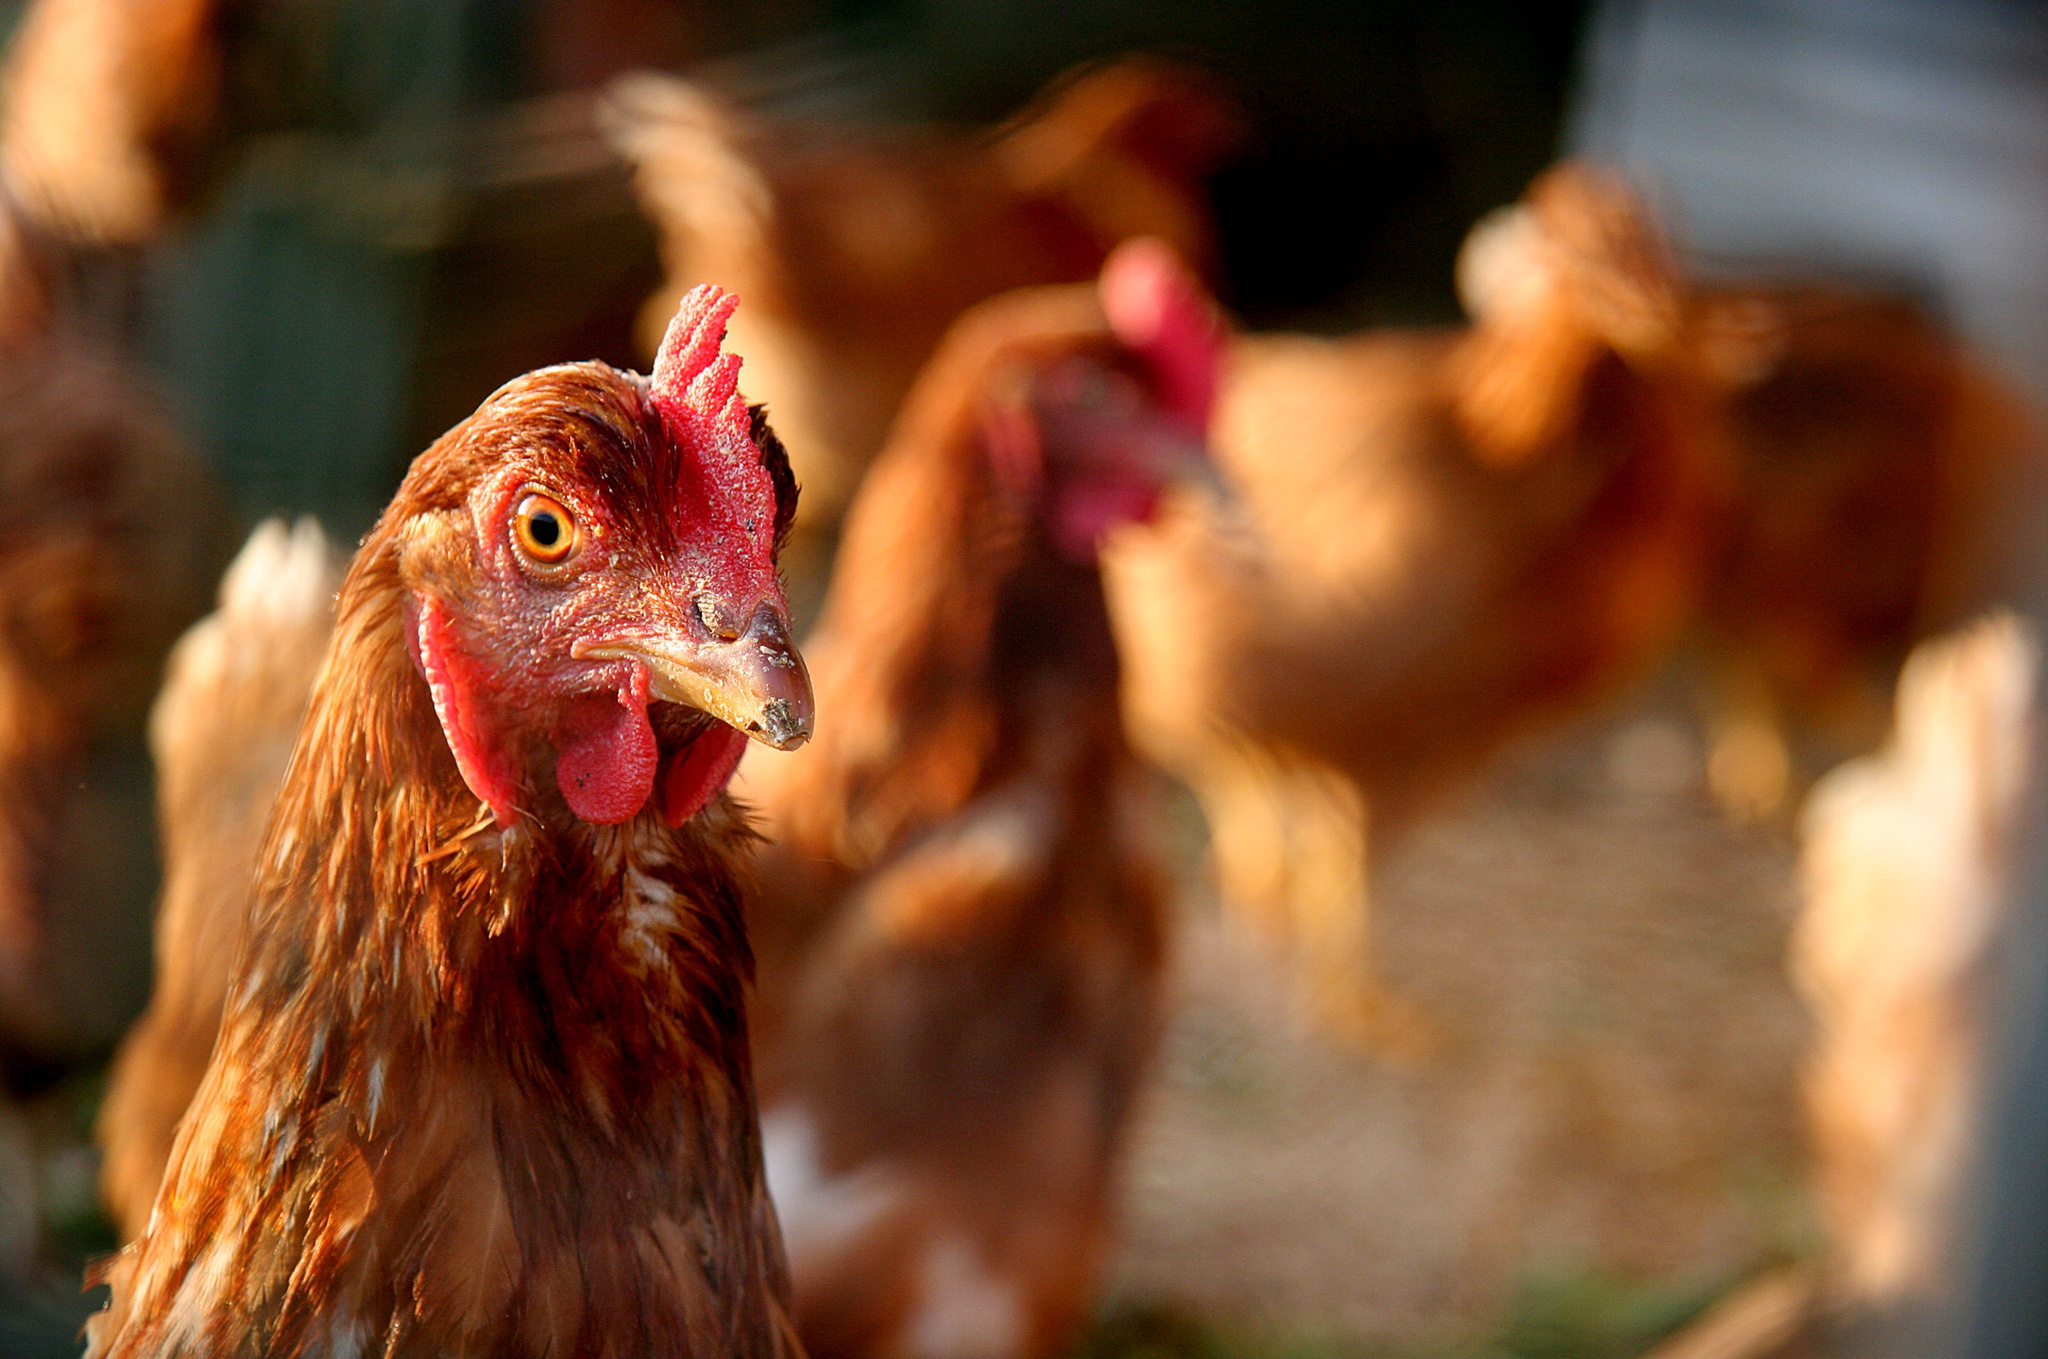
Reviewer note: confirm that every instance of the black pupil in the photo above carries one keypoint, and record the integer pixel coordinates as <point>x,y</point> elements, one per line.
<point>545,528</point>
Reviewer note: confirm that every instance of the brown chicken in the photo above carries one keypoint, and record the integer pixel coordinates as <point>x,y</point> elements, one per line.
<point>222,732</point>
<point>1907,858</point>
<point>105,103</point>
<point>24,291</point>
<point>1879,470</point>
<point>116,539</point>
<point>857,250</point>
<point>1878,467</point>
<point>482,1085</point>
<point>961,927</point>
<point>1441,540</point>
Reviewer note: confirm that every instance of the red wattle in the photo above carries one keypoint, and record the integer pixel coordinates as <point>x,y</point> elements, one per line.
<point>699,773</point>
<point>605,754</point>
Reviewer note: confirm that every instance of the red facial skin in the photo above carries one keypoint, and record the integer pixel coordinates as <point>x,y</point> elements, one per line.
<point>1102,439</point>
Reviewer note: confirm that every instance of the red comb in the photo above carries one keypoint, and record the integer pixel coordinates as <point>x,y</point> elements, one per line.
<point>1157,309</point>
<point>727,496</point>
<point>696,386</point>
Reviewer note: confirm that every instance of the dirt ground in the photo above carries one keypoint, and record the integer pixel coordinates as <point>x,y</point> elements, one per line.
<point>1613,1095</point>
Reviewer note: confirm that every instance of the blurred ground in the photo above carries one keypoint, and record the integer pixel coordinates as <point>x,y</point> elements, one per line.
<point>1607,1138</point>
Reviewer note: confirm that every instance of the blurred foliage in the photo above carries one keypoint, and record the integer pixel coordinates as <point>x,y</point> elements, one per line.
<point>1594,1315</point>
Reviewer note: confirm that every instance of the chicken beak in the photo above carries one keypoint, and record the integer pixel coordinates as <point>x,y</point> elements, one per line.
<point>756,682</point>
<point>1181,458</point>
<point>1189,463</point>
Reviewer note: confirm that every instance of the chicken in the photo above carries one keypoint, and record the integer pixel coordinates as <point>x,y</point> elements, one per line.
<point>961,926</point>
<point>222,731</point>
<point>858,250</point>
<point>107,103</point>
<point>1876,467</point>
<point>116,539</point>
<point>482,1085</point>
<point>1879,467</point>
<point>1907,858</point>
<point>1440,541</point>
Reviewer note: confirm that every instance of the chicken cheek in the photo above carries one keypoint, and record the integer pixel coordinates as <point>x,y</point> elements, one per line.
<point>699,772</point>
<point>606,755</point>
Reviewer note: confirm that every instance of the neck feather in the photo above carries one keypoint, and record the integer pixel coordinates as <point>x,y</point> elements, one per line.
<point>531,1041</point>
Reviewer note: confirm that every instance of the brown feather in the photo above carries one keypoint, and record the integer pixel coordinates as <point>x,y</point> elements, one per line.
<point>222,733</point>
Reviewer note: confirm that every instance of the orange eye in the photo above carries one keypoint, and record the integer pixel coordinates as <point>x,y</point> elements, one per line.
<point>544,530</point>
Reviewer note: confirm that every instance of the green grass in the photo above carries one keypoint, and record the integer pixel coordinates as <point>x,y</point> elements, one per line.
<point>1564,1314</point>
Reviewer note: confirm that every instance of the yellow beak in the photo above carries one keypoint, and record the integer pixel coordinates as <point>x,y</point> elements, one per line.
<point>756,682</point>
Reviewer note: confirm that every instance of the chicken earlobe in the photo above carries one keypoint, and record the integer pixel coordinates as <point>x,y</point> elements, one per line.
<point>450,678</point>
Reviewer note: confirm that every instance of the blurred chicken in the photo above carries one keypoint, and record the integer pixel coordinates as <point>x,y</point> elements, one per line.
<point>102,103</point>
<point>961,927</point>
<point>1879,466</point>
<point>482,1085</point>
<point>1907,860</point>
<point>1441,541</point>
<point>115,541</point>
<point>24,289</point>
<point>857,250</point>
<point>221,732</point>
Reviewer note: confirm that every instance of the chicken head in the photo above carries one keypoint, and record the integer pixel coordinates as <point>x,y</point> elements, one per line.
<point>575,601</point>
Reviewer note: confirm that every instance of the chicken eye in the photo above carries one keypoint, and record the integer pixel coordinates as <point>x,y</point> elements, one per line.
<point>544,530</point>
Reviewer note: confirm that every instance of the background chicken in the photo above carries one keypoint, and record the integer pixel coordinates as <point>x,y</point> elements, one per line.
<point>856,250</point>
<point>116,539</point>
<point>107,106</point>
<point>1906,864</point>
<point>483,1085</point>
<point>1878,468</point>
<point>1440,541</point>
<point>221,733</point>
<point>962,924</point>
<point>1881,470</point>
